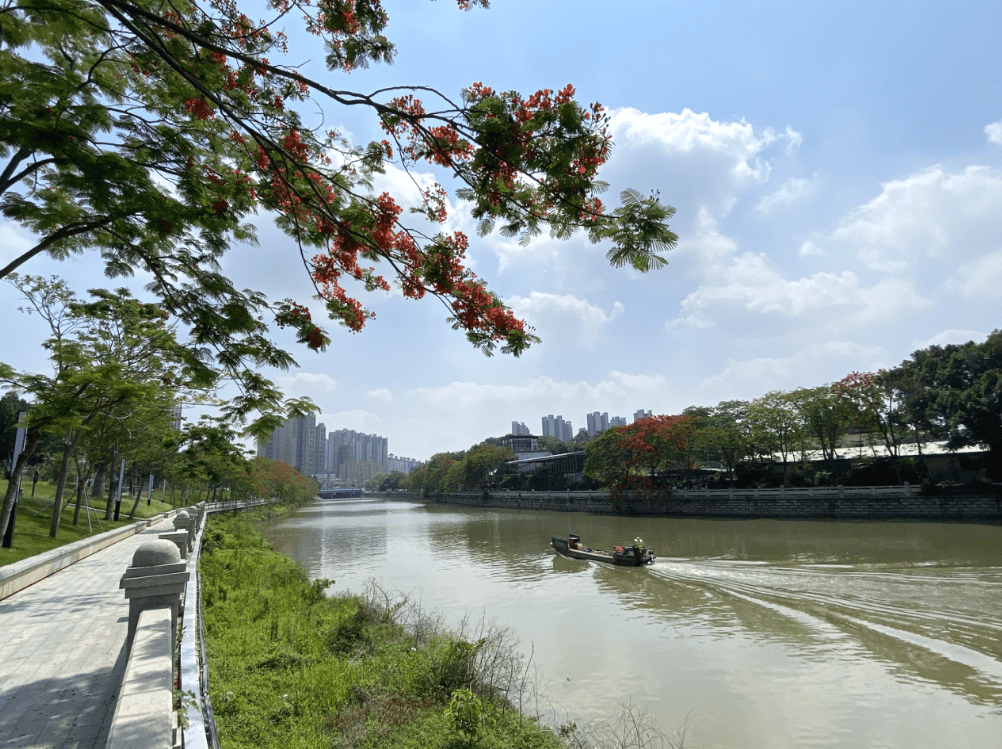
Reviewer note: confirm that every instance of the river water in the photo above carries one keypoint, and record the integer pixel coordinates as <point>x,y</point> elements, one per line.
<point>753,634</point>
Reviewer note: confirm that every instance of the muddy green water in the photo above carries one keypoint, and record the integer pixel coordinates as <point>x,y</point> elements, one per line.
<point>753,633</point>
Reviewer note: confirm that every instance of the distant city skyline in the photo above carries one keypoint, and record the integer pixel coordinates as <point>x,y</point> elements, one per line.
<point>596,421</point>
<point>307,447</point>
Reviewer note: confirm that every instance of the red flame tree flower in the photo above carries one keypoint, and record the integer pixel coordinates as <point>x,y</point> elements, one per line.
<point>153,129</point>
<point>628,458</point>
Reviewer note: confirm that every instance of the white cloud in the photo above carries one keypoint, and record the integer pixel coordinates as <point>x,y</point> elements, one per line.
<point>929,214</point>
<point>701,166</point>
<point>810,248</point>
<point>357,418</point>
<point>564,317</point>
<point>545,395</point>
<point>380,394</point>
<point>705,243</point>
<point>812,365</point>
<point>981,279</point>
<point>950,336</point>
<point>306,383</point>
<point>13,243</point>
<point>697,162</point>
<point>994,132</point>
<point>464,412</point>
<point>749,284</point>
<point>688,132</point>
<point>791,191</point>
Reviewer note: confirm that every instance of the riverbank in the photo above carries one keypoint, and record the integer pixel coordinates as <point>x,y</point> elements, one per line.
<point>820,503</point>
<point>291,666</point>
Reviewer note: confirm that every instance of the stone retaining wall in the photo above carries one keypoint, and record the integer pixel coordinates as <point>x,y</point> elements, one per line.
<point>19,575</point>
<point>824,504</point>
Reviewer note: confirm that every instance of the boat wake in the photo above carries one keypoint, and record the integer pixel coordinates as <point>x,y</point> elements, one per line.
<point>911,620</point>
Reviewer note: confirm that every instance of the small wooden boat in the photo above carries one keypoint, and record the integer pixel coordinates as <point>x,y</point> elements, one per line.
<point>630,556</point>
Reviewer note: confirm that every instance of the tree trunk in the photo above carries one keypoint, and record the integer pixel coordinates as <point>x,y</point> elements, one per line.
<point>135,504</point>
<point>64,468</point>
<point>109,511</point>
<point>80,487</point>
<point>98,486</point>
<point>31,438</point>
<point>76,510</point>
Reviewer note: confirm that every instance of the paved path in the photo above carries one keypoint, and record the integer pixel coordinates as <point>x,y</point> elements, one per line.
<point>62,652</point>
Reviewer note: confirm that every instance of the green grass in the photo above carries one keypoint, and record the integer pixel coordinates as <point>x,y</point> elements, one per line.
<point>291,667</point>
<point>34,515</point>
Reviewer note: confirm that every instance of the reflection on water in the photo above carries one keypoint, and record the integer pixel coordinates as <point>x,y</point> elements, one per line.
<point>759,633</point>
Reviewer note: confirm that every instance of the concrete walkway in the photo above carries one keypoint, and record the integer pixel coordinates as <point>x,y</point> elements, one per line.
<point>62,652</point>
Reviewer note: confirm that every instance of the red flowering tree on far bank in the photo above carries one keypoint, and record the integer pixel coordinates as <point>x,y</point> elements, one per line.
<point>628,458</point>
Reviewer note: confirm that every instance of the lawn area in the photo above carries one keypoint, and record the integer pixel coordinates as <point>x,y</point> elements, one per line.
<point>31,528</point>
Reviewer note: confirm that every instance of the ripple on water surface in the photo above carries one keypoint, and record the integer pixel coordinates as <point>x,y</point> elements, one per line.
<point>760,634</point>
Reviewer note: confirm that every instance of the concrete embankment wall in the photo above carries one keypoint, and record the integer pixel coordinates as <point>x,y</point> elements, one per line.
<point>19,575</point>
<point>856,503</point>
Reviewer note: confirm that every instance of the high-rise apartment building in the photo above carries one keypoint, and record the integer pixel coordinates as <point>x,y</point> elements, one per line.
<point>518,428</point>
<point>320,454</point>
<point>617,421</point>
<point>358,446</point>
<point>555,426</point>
<point>597,422</point>
<point>176,416</point>
<point>295,443</point>
<point>641,414</point>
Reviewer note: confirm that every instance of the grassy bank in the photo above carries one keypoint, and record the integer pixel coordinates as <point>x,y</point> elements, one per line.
<point>34,515</point>
<point>291,666</point>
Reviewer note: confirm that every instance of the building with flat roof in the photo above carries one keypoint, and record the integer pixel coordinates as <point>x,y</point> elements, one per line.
<point>295,443</point>
<point>555,426</point>
<point>597,422</point>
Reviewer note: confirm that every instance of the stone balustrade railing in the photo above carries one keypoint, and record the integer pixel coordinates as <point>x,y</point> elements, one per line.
<point>144,712</point>
<point>162,587</point>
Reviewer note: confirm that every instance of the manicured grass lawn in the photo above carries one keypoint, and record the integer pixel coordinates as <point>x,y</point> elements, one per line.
<point>31,528</point>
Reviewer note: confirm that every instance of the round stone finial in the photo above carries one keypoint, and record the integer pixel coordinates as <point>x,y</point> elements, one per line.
<point>183,514</point>
<point>153,553</point>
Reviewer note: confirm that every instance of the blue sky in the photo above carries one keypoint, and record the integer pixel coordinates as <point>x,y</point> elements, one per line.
<point>837,170</point>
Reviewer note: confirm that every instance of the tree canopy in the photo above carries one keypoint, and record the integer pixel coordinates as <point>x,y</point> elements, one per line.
<point>957,389</point>
<point>149,131</point>
<point>110,352</point>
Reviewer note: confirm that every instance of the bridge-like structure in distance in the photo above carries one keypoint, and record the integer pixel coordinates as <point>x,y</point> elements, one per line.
<point>340,492</point>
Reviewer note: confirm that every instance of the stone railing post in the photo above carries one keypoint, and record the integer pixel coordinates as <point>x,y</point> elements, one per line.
<point>155,580</point>
<point>182,534</point>
<point>179,539</point>
<point>183,522</point>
